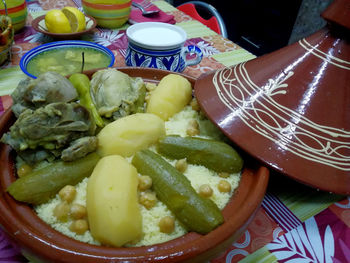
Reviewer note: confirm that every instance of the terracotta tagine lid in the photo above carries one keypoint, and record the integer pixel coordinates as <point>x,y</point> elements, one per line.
<point>291,108</point>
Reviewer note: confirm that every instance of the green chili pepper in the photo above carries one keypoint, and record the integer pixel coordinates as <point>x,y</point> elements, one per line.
<point>81,83</point>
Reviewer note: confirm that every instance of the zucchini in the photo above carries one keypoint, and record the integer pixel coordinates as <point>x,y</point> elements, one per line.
<point>214,155</point>
<point>40,185</point>
<point>175,191</point>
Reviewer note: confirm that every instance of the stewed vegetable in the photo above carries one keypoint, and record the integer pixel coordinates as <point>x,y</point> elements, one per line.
<point>40,185</point>
<point>174,189</point>
<point>215,155</point>
<point>81,83</point>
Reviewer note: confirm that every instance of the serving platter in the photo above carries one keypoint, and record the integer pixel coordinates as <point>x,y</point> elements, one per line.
<point>39,25</point>
<point>41,241</point>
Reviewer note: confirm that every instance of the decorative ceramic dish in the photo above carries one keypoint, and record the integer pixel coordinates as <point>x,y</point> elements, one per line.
<point>17,11</point>
<point>39,240</point>
<point>39,25</point>
<point>112,15</point>
<point>6,38</point>
<point>160,45</point>
<point>291,108</point>
<point>65,58</point>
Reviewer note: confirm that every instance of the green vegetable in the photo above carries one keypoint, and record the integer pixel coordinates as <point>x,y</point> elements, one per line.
<point>139,103</point>
<point>82,85</point>
<point>40,185</point>
<point>214,155</point>
<point>116,93</point>
<point>175,191</point>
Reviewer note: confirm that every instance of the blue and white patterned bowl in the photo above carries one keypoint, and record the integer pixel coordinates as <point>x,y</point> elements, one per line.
<point>161,46</point>
<point>33,53</point>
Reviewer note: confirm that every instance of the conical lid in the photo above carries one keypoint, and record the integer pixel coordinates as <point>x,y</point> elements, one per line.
<point>291,108</point>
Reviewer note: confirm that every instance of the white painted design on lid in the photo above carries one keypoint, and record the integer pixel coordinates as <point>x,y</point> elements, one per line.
<point>289,129</point>
<point>328,57</point>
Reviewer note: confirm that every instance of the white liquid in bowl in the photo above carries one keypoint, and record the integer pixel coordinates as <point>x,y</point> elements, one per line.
<point>159,36</point>
<point>156,35</point>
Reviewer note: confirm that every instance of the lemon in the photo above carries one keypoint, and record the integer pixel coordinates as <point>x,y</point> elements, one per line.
<point>67,20</point>
<point>75,17</point>
<point>57,22</point>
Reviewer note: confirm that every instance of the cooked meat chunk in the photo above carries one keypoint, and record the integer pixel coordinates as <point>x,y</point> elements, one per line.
<point>49,87</point>
<point>49,129</point>
<point>79,148</point>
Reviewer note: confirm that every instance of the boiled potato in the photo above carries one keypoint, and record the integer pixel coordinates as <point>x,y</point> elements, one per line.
<point>129,134</point>
<point>111,200</point>
<point>172,94</point>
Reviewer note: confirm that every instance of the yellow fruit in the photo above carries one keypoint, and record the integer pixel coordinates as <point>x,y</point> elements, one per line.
<point>57,22</point>
<point>67,20</point>
<point>75,17</point>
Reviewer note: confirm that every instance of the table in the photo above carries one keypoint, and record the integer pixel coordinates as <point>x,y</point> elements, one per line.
<point>294,224</point>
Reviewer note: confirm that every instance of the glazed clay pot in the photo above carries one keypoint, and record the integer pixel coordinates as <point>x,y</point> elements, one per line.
<point>291,108</point>
<point>39,242</point>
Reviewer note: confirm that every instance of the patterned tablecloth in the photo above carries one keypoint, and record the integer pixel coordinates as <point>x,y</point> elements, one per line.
<point>294,224</point>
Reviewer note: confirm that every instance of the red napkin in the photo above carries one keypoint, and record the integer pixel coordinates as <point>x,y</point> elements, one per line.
<point>137,17</point>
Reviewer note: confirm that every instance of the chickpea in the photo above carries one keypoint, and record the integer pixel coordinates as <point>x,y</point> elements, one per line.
<point>147,97</point>
<point>145,182</point>
<point>205,190</point>
<point>67,193</point>
<point>192,132</point>
<point>224,174</point>
<point>194,104</point>
<point>150,86</point>
<point>166,224</point>
<point>192,128</point>
<point>181,165</point>
<point>61,211</point>
<point>79,226</point>
<point>148,199</point>
<point>23,170</point>
<point>78,211</point>
<point>224,186</point>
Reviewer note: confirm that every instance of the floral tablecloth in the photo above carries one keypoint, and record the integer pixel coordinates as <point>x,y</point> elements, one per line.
<point>294,224</point>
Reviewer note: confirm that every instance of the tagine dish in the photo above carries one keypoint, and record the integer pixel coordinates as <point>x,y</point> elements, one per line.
<point>116,146</point>
<point>129,165</point>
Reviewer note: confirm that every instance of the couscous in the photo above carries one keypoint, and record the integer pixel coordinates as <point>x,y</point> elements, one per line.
<point>198,175</point>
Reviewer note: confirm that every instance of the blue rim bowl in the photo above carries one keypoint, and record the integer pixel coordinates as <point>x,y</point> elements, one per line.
<point>61,44</point>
